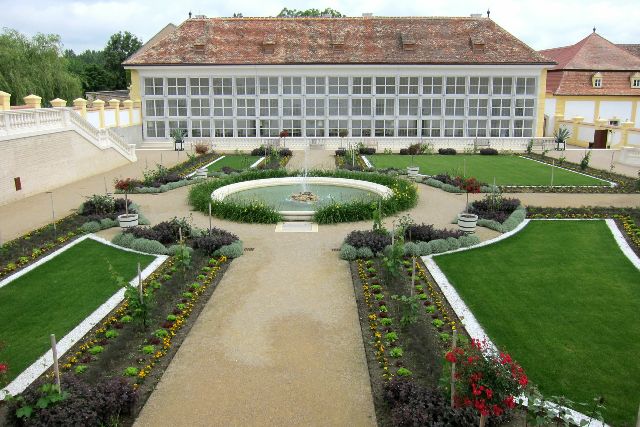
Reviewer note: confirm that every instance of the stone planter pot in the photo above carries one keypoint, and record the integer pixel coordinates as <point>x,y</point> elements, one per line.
<point>412,171</point>
<point>201,173</point>
<point>128,220</point>
<point>467,222</point>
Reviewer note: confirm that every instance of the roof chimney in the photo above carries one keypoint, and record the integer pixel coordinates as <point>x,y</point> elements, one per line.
<point>476,15</point>
<point>367,15</point>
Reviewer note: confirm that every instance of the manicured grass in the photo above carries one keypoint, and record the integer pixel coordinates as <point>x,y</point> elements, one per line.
<point>506,169</point>
<point>233,161</point>
<point>56,296</point>
<point>563,299</point>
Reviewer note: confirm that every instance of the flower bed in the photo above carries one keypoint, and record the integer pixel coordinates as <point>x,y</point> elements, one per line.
<point>24,250</point>
<point>624,183</point>
<point>405,361</point>
<point>137,353</point>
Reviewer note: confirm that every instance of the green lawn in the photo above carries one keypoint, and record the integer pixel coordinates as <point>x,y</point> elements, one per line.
<point>234,161</point>
<point>56,296</point>
<point>563,299</point>
<point>507,170</point>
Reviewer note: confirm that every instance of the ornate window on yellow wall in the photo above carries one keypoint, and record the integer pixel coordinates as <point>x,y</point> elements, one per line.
<point>596,80</point>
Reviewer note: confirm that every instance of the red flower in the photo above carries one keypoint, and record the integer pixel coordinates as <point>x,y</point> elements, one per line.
<point>497,410</point>
<point>523,380</point>
<point>3,368</point>
<point>510,402</point>
<point>488,392</point>
<point>451,357</point>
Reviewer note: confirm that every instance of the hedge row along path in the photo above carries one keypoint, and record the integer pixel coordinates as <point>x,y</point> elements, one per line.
<point>279,343</point>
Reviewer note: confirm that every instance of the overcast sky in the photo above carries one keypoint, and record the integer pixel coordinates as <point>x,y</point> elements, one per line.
<point>87,24</point>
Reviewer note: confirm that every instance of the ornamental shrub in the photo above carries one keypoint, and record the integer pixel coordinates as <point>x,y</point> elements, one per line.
<point>468,240</point>
<point>211,243</point>
<point>494,206</point>
<point>364,252</point>
<point>447,151</point>
<point>233,250</point>
<point>84,404</point>
<point>348,252</point>
<point>106,223</point>
<point>426,232</point>
<point>285,152</point>
<point>434,182</point>
<point>452,189</point>
<point>411,249</point>
<point>340,152</point>
<point>174,249</point>
<point>404,151</point>
<point>414,405</point>
<point>367,151</point>
<point>424,248</point>
<point>123,239</point>
<point>486,381</point>
<point>439,245</point>
<point>374,240</point>
<point>165,232</point>
<point>98,204</point>
<point>90,227</point>
<point>148,246</point>
<point>453,243</point>
<point>488,151</point>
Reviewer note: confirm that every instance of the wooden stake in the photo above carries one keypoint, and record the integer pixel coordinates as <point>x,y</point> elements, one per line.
<point>464,162</point>
<point>106,191</point>
<point>140,283</point>
<point>56,369</point>
<point>161,158</point>
<point>483,420</point>
<point>454,342</point>
<point>413,275</point>
<point>209,218</point>
<point>180,233</point>
<point>553,166</point>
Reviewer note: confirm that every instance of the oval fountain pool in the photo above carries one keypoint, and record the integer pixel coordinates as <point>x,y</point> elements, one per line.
<point>281,193</point>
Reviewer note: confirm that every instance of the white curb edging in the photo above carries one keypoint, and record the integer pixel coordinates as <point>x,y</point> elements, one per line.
<point>622,243</point>
<point>611,183</point>
<point>473,327</point>
<point>366,161</point>
<point>44,362</point>
<point>257,163</point>
<point>205,166</point>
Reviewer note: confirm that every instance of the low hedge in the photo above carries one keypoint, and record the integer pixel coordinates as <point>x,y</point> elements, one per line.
<point>516,217</point>
<point>404,197</point>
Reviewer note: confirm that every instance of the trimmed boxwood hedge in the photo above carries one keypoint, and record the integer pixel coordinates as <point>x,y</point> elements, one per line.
<point>404,197</point>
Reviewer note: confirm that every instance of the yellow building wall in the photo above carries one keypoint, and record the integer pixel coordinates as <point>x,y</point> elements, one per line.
<point>542,87</point>
<point>134,89</point>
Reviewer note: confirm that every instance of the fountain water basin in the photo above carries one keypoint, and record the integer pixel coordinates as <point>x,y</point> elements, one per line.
<point>278,192</point>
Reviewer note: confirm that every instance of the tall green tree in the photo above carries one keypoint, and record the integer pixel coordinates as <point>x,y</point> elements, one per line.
<point>294,13</point>
<point>119,47</point>
<point>35,65</point>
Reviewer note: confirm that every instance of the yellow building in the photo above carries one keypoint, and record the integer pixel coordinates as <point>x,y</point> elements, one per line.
<point>595,92</point>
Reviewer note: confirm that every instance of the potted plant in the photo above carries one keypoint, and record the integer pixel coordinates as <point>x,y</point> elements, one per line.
<point>561,136</point>
<point>467,221</point>
<point>343,133</point>
<point>178,139</point>
<point>127,219</point>
<point>412,171</point>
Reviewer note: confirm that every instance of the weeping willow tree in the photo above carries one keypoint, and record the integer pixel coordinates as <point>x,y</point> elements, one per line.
<point>35,65</point>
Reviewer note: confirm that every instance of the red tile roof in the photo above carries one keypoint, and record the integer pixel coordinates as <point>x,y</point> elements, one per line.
<point>367,40</point>
<point>593,53</point>
<point>579,83</point>
<point>633,48</point>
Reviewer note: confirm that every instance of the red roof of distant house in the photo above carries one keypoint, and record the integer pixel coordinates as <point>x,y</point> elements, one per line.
<point>593,53</point>
<point>366,40</point>
<point>578,63</point>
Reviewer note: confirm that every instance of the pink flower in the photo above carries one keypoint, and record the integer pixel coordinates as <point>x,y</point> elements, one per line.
<point>3,368</point>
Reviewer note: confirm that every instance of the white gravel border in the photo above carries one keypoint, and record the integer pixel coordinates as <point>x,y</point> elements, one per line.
<point>474,328</point>
<point>40,366</point>
<point>257,162</point>
<point>611,183</point>
<point>205,166</point>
